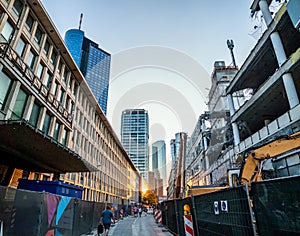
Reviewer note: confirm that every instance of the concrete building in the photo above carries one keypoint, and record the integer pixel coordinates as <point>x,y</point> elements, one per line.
<point>262,101</point>
<point>51,124</point>
<point>93,62</point>
<point>197,146</point>
<point>271,71</point>
<point>135,136</point>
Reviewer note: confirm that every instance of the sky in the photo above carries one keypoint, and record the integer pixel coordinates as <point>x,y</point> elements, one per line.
<point>163,52</point>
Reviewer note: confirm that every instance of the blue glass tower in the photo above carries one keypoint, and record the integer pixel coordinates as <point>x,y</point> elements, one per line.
<point>93,62</point>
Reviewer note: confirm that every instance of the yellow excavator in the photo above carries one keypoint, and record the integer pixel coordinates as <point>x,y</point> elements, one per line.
<point>251,170</point>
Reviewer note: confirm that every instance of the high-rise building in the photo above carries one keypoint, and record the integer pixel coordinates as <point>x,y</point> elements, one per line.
<point>177,181</point>
<point>159,160</point>
<point>93,62</point>
<point>134,137</point>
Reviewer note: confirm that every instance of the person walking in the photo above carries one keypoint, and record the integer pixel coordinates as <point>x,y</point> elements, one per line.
<point>140,211</point>
<point>106,218</point>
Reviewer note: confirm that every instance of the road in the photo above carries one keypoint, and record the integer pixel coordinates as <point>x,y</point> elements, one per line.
<point>137,226</point>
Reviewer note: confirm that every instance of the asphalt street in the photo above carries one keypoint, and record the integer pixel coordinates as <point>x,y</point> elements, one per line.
<point>137,226</point>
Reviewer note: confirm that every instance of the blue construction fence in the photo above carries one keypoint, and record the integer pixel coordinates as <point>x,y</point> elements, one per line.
<point>270,208</point>
<point>24,212</point>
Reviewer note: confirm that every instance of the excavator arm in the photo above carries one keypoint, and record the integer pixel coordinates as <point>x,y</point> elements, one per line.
<point>251,171</point>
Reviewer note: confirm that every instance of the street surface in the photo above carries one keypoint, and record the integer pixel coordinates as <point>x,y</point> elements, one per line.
<point>136,226</point>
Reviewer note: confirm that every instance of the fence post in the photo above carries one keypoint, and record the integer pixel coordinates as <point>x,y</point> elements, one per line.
<point>177,216</point>
<point>250,208</point>
<point>1,227</point>
<point>195,214</point>
<point>40,212</point>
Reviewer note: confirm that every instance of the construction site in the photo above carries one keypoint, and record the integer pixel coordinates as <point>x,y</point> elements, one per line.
<point>240,174</point>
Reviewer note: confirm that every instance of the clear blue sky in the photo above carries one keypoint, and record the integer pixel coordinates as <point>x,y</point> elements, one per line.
<point>199,28</point>
<point>196,29</point>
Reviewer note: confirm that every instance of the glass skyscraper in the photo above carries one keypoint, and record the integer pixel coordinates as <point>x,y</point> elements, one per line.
<point>134,137</point>
<point>93,62</point>
<point>159,160</point>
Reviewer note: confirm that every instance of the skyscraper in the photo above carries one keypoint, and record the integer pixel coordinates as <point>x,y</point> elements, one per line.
<point>93,62</point>
<point>159,160</point>
<point>134,137</point>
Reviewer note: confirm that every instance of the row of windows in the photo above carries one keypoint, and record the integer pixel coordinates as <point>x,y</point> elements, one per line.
<point>18,110</point>
<point>27,49</point>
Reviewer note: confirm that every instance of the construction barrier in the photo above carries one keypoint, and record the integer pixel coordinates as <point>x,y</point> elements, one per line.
<point>274,209</point>
<point>159,217</point>
<point>188,225</point>
<point>188,221</point>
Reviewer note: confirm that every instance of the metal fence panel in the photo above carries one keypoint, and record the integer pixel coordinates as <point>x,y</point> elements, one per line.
<point>25,205</point>
<point>98,208</point>
<point>7,210</point>
<point>225,212</point>
<point>83,217</point>
<point>171,220</point>
<point>276,205</point>
<point>180,204</point>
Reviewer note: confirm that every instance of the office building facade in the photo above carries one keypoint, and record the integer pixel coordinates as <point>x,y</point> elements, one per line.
<point>93,62</point>
<point>134,137</point>
<point>51,125</point>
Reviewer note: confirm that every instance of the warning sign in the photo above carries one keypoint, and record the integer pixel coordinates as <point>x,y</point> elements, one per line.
<point>224,206</point>
<point>216,208</point>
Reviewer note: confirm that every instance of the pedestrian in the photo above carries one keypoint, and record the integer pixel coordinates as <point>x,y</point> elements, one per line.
<point>140,211</point>
<point>135,211</point>
<point>106,218</point>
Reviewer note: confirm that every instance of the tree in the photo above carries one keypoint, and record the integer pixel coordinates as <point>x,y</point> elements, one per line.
<point>150,197</point>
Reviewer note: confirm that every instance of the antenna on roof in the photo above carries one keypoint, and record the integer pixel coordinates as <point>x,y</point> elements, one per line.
<point>231,46</point>
<point>81,16</point>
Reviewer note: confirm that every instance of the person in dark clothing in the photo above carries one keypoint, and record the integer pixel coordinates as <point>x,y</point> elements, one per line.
<point>106,217</point>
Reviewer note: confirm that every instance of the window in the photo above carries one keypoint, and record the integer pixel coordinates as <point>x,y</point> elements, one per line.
<point>46,124</point>
<point>17,7</point>
<point>38,35</point>
<point>56,131</point>
<point>48,80</point>
<point>46,47</point>
<point>59,67</point>
<point>64,137</point>
<point>34,114</point>
<point>65,74</point>
<point>31,59</point>
<point>19,105</point>
<point>29,23</point>
<point>39,72</point>
<point>7,31</point>
<point>4,88</point>
<point>20,47</point>
<point>61,96</point>
<point>53,57</point>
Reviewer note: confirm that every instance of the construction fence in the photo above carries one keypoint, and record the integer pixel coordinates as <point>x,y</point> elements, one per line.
<point>31,213</point>
<point>271,208</point>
